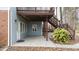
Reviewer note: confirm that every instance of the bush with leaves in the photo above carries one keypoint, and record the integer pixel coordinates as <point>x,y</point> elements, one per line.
<point>61,35</point>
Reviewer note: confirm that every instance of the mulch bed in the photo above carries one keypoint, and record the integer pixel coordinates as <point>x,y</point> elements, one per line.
<point>71,42</point>
<point>24,48</point>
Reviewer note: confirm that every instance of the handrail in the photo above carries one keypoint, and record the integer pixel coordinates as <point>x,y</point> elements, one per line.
<point>66,24</point>
<point>55,18</point>
<point>51,9</point>
<point>54,21</point>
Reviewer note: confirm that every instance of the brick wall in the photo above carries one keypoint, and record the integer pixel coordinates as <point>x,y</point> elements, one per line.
<point>3,28</point>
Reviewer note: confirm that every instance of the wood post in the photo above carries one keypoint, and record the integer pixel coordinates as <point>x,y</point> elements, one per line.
<point>73,35</point>
<point>45,29</point>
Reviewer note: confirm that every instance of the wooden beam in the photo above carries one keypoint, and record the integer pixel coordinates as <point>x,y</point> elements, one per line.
<point>24,17</point>
<point>34,14</point>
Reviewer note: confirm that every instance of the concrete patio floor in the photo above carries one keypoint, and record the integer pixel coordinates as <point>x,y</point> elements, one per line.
<point>40,41</point>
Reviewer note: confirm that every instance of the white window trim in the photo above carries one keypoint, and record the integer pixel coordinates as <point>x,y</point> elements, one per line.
<point>35,26</point>
<point>26,28</point>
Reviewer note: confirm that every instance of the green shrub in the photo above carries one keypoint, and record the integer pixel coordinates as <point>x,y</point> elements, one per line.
<point>60,35</point>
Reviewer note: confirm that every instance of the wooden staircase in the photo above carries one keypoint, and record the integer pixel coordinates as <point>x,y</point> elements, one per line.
<point>56,23</point>
<point>53,21</point>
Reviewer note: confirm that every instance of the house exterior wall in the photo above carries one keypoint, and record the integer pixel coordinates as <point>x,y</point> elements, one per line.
<point>29,31</point>
<point>39,29</point>
<point>13,26</point>
<point>3,27</point>
<point>14,21</point>
<point>23,33</point>
<point>15,30</point>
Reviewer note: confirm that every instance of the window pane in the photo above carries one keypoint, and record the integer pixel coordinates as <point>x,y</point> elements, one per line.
<point>34,27</point>
<point>20,27</point>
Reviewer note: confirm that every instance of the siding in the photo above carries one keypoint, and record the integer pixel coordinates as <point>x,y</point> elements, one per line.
<point>22,34</point>
<point>13,26</point>
<point>39,29</point>
<point>29,28</point>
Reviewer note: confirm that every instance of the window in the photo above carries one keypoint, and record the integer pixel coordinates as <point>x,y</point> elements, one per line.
<point>25,27</point>
<point>34,27</point>
<point>20,27</point>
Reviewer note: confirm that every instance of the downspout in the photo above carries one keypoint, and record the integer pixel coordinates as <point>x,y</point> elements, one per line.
<point>60,16</point>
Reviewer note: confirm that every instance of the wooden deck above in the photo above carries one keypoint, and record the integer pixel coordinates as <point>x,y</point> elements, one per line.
<point>35,13</point>
<point>44,11</point>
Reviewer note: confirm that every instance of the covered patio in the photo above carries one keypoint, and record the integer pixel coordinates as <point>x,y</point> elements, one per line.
<point>40,41</point>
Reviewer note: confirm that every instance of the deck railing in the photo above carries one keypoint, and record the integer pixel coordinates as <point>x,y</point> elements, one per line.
<point>36,9</point>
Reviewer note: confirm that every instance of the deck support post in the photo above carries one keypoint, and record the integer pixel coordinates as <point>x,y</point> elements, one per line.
<point>45,29</point>
<point>73,37</point>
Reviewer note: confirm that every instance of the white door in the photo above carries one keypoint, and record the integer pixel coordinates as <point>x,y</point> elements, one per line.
<point>18,30</point>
